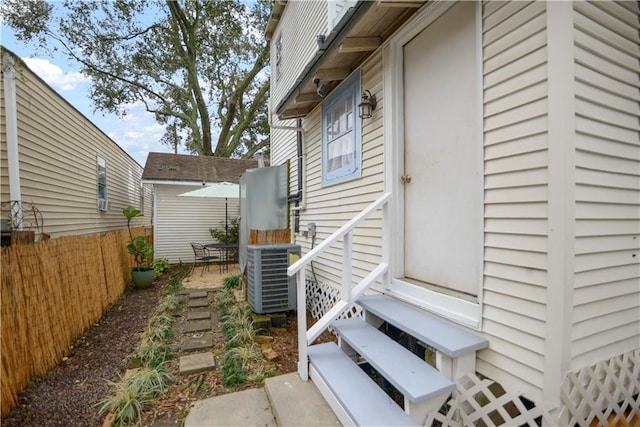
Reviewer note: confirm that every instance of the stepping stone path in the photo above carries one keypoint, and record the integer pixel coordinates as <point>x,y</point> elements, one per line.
<point>198,335</point>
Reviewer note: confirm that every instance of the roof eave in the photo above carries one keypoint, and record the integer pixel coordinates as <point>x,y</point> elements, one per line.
<point>331,44</point>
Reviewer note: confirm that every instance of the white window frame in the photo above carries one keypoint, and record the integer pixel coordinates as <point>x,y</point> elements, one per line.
<point>347,92</point>
<point>278,57</point>
<point>99,160</point>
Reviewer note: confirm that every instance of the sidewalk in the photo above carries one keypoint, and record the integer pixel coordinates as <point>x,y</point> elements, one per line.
<point>285,401</point>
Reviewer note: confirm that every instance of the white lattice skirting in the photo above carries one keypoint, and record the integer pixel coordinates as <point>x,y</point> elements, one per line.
<point>482,402</point>
<point>607,393</point>
<point>321,298</point>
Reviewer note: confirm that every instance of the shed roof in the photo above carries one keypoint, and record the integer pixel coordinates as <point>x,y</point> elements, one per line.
<point>183,167</point>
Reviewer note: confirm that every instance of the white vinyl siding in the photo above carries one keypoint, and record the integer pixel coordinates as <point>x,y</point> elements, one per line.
<point>181,220</point>
<point>301,22</point>
<point>57,157</point>
<point>607,99</point>
<point>515,153</point>
<point>333,206</point>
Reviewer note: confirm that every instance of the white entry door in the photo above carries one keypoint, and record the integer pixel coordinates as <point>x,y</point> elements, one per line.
<point>442,155</point>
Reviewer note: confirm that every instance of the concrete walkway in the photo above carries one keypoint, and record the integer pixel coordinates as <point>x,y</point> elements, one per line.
<point>285,401</point>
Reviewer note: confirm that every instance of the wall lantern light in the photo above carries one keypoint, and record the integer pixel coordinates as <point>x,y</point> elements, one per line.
<point>367,105</point>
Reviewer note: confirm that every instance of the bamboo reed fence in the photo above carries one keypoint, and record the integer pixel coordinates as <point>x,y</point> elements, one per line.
<point>52,292</point>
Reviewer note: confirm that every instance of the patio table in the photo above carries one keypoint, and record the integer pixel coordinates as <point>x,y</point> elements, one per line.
<point>225,250</point>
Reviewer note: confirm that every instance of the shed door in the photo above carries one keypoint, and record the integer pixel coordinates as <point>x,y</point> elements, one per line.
<point>442,155</point>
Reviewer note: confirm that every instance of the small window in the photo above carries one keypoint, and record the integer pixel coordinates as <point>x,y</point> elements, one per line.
<point>102,177</point>
<point>341,148</point>
<point>278,68</point>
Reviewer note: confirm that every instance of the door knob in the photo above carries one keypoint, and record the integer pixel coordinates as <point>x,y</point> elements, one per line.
<point>406,179</point>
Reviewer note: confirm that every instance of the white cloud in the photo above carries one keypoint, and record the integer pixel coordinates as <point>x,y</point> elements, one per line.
<point>54,76</point>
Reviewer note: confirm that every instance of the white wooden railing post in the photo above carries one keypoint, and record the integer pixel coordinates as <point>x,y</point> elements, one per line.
<point>303,362</point>
<point>386,244</point>
<point>347,261</point>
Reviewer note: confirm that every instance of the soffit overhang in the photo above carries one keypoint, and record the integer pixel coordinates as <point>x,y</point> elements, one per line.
<point>360,32</point>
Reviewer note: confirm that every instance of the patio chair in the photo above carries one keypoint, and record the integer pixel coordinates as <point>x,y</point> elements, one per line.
<point>202,255</point>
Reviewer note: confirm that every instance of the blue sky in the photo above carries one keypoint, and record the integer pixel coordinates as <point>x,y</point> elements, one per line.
<point>137,133</point>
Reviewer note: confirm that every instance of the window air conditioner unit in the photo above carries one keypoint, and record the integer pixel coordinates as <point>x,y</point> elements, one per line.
<point>269,287</point>
<point>103,205</point>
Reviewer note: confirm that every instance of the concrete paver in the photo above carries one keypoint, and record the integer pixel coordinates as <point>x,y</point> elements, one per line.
<point>198,362</point>
<point>197,342</point>
<point>198,314</point>
<point>199,302</point>
<point>198,325</point>
<point>244,408</point>
<point>197,294</point>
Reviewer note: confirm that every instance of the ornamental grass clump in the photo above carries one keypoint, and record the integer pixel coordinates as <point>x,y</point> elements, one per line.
<point>133,394</point>
<point>243,360</point>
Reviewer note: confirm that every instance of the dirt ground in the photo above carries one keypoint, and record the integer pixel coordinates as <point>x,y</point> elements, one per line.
<point>69,393</point>
<point>208,277</point>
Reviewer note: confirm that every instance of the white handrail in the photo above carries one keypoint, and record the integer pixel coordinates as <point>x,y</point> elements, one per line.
<point>347,296</point>
<point>339,233</point>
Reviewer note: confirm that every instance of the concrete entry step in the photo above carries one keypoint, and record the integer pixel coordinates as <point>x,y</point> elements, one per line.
<point>297,403</point>
<point>244,408</point>
<point>198,362</point>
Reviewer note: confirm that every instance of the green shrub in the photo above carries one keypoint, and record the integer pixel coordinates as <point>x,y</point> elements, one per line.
<point>228,236</point>
<point>160,265</point>
<point>231,282</point>
<point>125,403</point>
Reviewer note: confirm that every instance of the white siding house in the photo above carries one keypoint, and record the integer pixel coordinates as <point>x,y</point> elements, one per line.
<point>508,136</point>
<point>56,162</point>
<point>179,220</point>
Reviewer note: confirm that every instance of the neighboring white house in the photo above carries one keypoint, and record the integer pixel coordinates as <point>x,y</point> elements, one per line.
<point>179,220</point>
<point>508,136</point>
<point>55,162</point>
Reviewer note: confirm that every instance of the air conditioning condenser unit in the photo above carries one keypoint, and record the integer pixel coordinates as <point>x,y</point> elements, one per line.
<point>269,288</point>
<point>103,205</point>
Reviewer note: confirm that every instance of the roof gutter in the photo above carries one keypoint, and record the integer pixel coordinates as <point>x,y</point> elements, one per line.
<point>11,119</point>
<point>331,44</point>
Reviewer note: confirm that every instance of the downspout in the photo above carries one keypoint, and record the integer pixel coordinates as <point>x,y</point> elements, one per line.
<point>11,122</point>
<point>298,197</point>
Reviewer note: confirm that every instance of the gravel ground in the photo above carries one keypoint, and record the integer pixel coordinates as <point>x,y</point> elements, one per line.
<point>67,395</point>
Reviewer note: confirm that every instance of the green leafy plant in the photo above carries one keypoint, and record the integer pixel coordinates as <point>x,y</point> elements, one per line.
<point>138,246</point>
<point>225,299</point>
<point>160,265</point>
<point>232,372</point>
<point>231,282</point>
<point>161,327</point>
<point>229,235</point>
<point>171,304</point>
<point>153,353</point>
<point>125,403</point>
<point>150,381</point>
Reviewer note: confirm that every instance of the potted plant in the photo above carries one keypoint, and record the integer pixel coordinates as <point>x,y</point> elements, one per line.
<point>143,273</point>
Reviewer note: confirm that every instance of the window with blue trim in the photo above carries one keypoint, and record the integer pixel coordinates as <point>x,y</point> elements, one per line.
<point>341,147</point>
